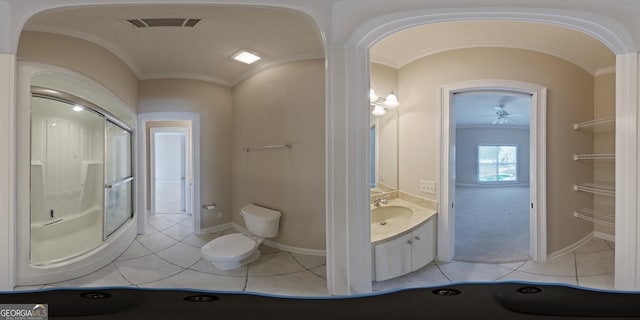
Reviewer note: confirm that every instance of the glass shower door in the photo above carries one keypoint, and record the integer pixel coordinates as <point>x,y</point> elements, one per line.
<point>66,200</point>
<point>118,178</point>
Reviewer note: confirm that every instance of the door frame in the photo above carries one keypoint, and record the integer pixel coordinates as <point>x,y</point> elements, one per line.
<point>537,166</point>
<point>152,164</point>
<point>143,118</point>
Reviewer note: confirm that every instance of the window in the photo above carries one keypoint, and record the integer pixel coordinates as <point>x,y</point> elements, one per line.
<point>497,163</point>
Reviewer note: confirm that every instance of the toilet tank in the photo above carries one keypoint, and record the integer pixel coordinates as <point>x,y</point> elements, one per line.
<point>261,221</point>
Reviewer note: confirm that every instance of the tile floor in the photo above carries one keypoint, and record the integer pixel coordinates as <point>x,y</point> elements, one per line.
<point>168,256</point>
<point>589,266</point>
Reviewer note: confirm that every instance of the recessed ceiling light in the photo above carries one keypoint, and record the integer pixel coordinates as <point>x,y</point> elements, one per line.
<point>246,57</point>
<point>78,108</point>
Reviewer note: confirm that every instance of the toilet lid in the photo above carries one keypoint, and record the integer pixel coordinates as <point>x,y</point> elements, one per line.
<point>229,246</point>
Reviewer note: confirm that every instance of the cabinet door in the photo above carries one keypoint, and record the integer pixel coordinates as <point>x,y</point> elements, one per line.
<point>393,258</point>
<point>423,246</point>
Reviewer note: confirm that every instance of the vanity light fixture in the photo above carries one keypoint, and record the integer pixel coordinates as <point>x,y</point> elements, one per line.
<point>391,102</point>
<point>245,56</point>
<point>378,111</point>
<point>373,97</point>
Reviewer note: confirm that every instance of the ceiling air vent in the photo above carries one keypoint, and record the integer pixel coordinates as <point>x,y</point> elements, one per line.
<point>163,22</point>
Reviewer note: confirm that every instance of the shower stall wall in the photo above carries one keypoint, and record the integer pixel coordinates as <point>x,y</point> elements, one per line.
<point>81,177</point>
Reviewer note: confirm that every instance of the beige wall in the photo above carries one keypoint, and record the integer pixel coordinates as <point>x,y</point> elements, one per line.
<point>84,57</point>
<point>284,104</point>
<point>605,142</point>
<point>570,99</point>
<point>213,103</point>
<point>384,80</point>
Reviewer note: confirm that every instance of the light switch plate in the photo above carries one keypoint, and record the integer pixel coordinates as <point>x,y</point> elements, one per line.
<point>428,186</point>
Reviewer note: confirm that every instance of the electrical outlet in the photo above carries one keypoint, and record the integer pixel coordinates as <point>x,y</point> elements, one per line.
<point>219,214</point>
<point>428,186</point>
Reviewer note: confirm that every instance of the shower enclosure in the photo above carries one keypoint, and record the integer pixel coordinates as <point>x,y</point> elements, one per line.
<point>81,176</point>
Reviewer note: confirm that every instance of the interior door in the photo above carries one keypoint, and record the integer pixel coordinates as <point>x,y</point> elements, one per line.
<point>169,172</point>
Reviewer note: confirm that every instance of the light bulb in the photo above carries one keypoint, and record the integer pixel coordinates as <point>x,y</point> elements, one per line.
<point>391,100</point>
<point>378,111</point>
<point>372,95</point>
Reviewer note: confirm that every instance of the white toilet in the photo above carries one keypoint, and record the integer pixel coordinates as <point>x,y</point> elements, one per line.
<point>235,250</point>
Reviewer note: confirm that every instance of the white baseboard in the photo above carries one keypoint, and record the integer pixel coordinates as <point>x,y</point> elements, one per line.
<point>571,247</point>
<point>604,236</point>
<point>217,228</point>
<point>284,247</point>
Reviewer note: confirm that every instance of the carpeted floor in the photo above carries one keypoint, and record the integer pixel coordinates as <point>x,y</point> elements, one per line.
<point>492,224</point>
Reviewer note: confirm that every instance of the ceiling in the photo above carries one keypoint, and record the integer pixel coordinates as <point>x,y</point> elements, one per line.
<point>408,45</point>
<point>279,36</point>
<point>478,109</point>
<point>201,52</point>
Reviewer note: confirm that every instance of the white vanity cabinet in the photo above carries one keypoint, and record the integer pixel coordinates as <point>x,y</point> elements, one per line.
<point>406,253</point>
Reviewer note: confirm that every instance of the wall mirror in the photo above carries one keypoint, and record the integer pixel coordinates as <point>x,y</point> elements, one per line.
<point>384,151</point>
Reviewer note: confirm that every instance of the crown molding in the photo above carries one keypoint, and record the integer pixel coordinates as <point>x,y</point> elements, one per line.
<point>605,70</point>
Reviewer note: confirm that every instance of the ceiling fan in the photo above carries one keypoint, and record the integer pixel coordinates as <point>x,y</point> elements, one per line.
<point>502,115</point>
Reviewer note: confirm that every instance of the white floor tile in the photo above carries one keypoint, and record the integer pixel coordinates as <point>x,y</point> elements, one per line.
<point>229,231</point>
<point>180,254</point>
<point>206,266</point>
<point>320,271</point>
<point>109,276</point>
<point>135,250</point>
<point>602,282</point>
<point>309,261</point>
<point>514,265</point>
<point>298,284</point>
<point>188,223</point>
<point>564,266</point>
<point>427,276</point>
<point>268,249</point>
<point>28,288</point>
<point>177,232</point>
<point>199,240</point>
<point>197,280</point>
<point>473,272</point>
<point>593,245</point>
<point>159,223</point>
<point>529,277</point>
<point>592,264</point>
<point>177,217</point>
<point>146,269</point>
<point>157,241</point>
<point>274,264</point>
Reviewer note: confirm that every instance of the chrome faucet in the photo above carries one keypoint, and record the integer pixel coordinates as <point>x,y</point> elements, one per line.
<point>380,201</point>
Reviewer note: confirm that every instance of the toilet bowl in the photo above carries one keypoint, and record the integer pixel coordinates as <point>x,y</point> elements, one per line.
<point>231,251</point>
<point>234,250</point>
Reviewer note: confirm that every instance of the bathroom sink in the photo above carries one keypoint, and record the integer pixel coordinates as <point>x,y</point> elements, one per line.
<point>383,214</point>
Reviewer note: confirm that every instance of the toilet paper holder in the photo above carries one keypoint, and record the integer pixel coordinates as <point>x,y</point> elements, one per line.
<point>209,206</point>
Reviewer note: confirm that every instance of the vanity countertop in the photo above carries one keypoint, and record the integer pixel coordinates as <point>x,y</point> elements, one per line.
<point>380,233</point>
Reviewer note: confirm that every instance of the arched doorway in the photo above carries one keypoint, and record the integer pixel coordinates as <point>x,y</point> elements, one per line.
<point>343,263</point>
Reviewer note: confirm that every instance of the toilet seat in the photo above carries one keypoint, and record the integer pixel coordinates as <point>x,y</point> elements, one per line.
<point>231,247</point>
